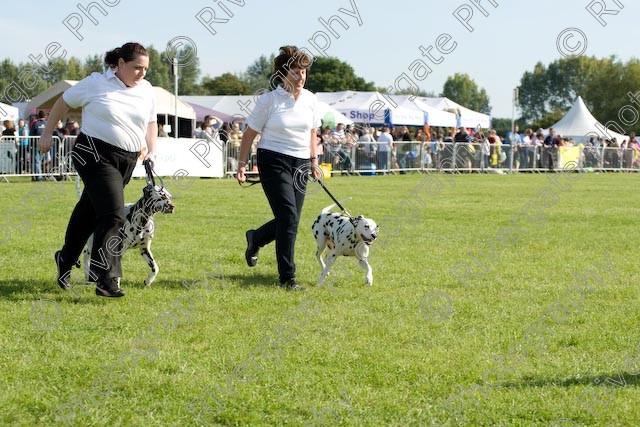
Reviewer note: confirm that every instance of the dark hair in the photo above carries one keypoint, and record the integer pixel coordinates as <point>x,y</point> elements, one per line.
<point>128,52</point>
<point>288,58</point>
<point>41,114</point>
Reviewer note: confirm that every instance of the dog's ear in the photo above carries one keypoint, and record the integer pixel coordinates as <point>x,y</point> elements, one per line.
<point>360,217</point>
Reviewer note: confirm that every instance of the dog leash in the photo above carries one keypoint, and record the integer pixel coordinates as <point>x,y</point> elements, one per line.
<point>148,168</point>
<point>250,182</point>
<point>338,204</point>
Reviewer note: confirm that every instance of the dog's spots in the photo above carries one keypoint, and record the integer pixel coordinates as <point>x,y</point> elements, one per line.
<point>342,236</point>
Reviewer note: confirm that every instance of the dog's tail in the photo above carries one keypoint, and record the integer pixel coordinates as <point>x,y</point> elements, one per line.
<point>328,208</point>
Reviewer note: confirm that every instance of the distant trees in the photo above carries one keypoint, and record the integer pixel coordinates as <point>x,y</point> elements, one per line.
<point>548,91</point>
<point>462,89</point>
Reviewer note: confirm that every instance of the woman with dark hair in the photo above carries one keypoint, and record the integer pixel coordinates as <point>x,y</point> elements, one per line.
<point>118,119</point>
<point>287,119</point>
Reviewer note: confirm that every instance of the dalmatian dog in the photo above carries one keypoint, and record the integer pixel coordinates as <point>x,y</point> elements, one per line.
<point>138,229</point>
<point>342,235</point>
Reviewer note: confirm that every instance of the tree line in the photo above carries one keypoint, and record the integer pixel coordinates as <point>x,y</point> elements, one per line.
<point>329,74</point>
<point>545,95</point>
<point>547,92</point>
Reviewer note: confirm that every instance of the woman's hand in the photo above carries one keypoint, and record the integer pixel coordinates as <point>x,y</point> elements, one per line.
<point>316,172</point>
<point>241,172</point>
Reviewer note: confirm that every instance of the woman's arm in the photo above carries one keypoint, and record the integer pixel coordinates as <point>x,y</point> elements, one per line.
<point>59,109</point>
<point>152,134</point>
<point>315,170</point>
<point>245,147</point>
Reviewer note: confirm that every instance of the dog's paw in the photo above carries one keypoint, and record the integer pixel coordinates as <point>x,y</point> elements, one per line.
<point>369,281</point>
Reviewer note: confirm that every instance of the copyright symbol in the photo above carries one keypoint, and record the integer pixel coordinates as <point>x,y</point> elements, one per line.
<point>301,177</point>
<point>436,306</point>
<point>571,42</point>
<point>183,50</point>
<point>45,314</point>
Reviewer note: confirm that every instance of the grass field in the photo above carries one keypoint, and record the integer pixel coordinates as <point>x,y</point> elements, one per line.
<point>539,329</point>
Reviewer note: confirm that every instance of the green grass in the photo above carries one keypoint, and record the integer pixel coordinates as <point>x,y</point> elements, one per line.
<point>248,353</point>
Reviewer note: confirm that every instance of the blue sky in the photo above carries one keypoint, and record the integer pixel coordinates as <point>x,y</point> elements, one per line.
<point>381,42</point>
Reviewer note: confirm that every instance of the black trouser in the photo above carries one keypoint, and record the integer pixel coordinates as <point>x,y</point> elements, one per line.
<point>105,170</point>
<point>284,181</point>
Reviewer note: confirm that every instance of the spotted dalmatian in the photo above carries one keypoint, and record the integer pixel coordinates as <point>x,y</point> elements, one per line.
<point>340,234</point>
<point>138,229</point>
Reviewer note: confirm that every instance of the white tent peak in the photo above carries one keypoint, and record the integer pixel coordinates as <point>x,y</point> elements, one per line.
<point>579,124</point>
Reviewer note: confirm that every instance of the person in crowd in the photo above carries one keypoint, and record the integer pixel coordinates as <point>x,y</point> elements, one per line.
<point>510,146</point>
<point>118,119</point>
<point>58,144</point>
<point>37,129</point>
<point>338,133</point>
<point>338,145</point>
<point>8,135</point>
<point>403,149</point>
<point>319,146</point>
<point>591,151</point>
<point>419,146</point>
<point>485,151</point>
<point>538,143</point>
<point>161,132</point>
<point>222,132</point>
<point>634,146</point>
<point>528,150</point>
<point>464,150</point>
<point>24,153</point>
<point>287,119</point>
<point>435,145</point>
<point>235,135</point>
<point>550,148</point>
<point>612,154</point>
<point>496,148</point>
<point>367,147</point>
<point>233,146</point>
<point>446,155</point>
<point>384,142</point>
<point>522,150</point>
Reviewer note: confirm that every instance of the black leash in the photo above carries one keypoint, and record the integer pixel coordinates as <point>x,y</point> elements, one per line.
<point>338,204</point>
<point>148,168</point>
<point>250,181</point>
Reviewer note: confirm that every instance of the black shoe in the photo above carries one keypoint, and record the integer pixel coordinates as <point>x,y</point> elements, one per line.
<point>291,285</point>
<point>109,288</point>
<point>64,270</point>
<point>251,254</point>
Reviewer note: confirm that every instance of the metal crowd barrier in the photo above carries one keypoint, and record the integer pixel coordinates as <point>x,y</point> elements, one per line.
<point>367,158</point>
<point>19,156</point>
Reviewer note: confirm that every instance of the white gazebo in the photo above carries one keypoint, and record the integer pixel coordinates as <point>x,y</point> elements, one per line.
<point>580,125</point>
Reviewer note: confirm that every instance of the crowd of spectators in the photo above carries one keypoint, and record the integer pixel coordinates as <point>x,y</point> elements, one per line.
<point>349,148</point>
<point>20,146</point>
<point>402,148</point>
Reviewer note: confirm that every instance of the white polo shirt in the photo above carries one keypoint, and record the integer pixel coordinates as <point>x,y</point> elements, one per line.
<point>284,122</point>
<point>113,112</point>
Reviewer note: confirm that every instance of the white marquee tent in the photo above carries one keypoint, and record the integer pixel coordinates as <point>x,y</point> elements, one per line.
<point>373,108</point>
<point>7,112</point>
<point>240,106</point>
<point>466,117</point>
<point>365,107</point>
<point>580,125</point>
<point>434,117</point>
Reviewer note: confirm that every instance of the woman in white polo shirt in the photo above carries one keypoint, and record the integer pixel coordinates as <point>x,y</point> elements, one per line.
<point>118,119</point>
<point>287,119</point>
